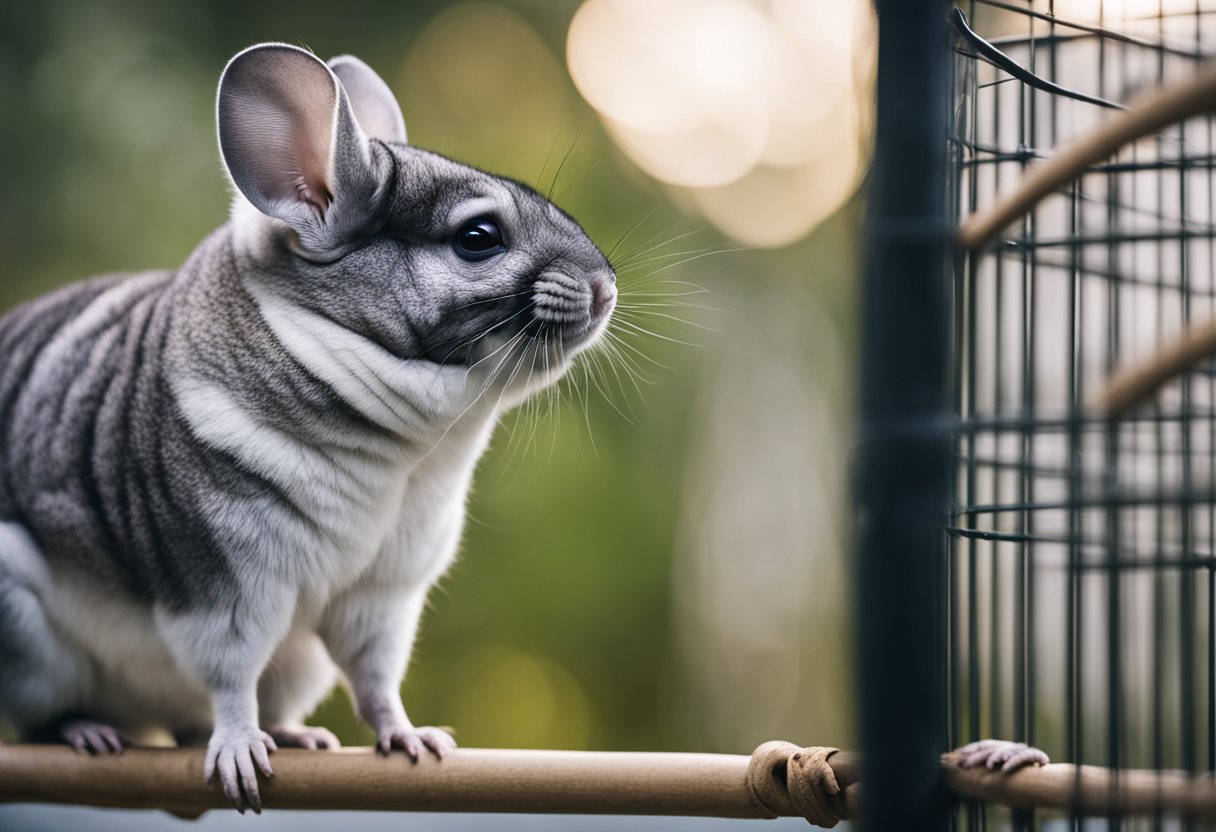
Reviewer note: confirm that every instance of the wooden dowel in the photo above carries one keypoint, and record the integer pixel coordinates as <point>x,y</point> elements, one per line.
<point>1147,115</point>
<point>562,782</point>
<point>467,780</point>
<point>1089,790</point>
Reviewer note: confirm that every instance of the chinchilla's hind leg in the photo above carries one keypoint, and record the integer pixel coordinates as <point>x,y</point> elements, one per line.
<point>41,677</point>
<point>299,677</point>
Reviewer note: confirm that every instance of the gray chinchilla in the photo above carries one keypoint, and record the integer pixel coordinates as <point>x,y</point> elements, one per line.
<point>224,485</point>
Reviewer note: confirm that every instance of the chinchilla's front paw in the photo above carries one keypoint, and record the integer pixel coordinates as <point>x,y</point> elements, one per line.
<point>1002,754</point>
<point>412,740</point>
<point>237,754</point>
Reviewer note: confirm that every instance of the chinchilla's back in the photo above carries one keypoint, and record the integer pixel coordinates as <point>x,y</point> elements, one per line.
<point>26,334</point>
<point>83,436</point>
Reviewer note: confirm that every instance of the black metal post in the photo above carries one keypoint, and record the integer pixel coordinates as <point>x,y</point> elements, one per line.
<point>903,463</point>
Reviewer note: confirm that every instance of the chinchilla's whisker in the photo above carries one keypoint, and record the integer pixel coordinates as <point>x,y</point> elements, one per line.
<point>473,339</point>
<point>648,247</point>
<point>592,361</point>
<point>616,356</point>
<point>525,421</point>
<point>572,184</point>
<point>697,256</point>
<point>557,388</point>
<point>639,263</point>
<point>641,330</point>
<point>657,241</point>
<point>477,398</point>
<point>649,282</point>
<point>632,229</point>
<point>592,364</point>
<point>483,333</point>
<point>653,309</point>
<point>579,396</point>
<point>562,164</point>
<point>540,176</point>
<point>516,445</point>
<point>548,405</point>
<point>515,341</point>
<point>585,386</point>
<point>505,349</point>
<point>679,313</point>
<point>612,358</point>
<point>493,299</point>
<point>519,363</point>
<point>489,382</point>
<point>662,262</point>
<point>616,339</point>
<point>490,378</point>
<point>666,304</point>
<point>636,374</point>
<point>666,296</point>
<point>486,332</point>
<point>645,314</point>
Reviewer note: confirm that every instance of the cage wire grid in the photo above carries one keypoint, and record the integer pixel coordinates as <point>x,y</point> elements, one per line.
<point>1080,566</point>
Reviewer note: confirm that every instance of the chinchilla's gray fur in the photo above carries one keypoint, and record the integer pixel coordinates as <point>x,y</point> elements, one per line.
<point>223,487</point>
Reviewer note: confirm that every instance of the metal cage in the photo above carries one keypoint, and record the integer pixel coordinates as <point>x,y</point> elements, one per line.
<point>1081,574</point>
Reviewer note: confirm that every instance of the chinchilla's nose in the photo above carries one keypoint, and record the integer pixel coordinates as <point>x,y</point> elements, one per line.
<point>603,290</point>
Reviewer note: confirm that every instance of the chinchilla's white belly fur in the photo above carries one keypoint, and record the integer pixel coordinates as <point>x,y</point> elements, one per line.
<point>122,667</point>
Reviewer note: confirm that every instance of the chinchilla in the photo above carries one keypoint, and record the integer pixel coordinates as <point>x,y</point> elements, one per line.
<point>223,486</point>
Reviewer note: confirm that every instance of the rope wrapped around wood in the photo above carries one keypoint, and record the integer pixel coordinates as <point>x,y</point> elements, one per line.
<point>785,779</point>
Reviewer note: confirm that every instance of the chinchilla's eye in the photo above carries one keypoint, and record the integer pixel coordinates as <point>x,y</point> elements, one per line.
<point>478,240</point>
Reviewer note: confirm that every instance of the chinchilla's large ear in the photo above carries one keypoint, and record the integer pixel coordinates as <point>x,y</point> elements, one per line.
<point>370,98</point>
<point>293,146</point>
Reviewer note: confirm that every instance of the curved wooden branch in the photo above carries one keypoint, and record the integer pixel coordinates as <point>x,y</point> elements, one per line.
<point>1136,383</point>
<point>1147,115</point>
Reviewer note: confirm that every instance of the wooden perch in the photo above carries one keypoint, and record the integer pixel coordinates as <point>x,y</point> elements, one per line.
<point>467,780</point>
<point>1089,790</point>
<point>779,779</point>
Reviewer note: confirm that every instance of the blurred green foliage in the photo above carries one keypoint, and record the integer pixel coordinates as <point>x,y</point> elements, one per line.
<point>557,628</point>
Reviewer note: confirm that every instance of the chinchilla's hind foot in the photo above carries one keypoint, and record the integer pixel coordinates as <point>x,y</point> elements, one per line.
<point>303,736</point>
<point>413,740</point>
<point>90,737</point>
<point>1002,754</point>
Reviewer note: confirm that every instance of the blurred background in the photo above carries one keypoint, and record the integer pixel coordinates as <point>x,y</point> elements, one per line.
<point>656,558</point>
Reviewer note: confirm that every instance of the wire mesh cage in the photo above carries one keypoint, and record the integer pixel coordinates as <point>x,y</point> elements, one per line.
<point>1081,563</point>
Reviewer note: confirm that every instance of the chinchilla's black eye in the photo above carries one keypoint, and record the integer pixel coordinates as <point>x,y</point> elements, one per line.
<point>478,240</point>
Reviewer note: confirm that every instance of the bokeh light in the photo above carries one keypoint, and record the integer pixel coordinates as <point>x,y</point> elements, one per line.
<point>752,111</point>
<point>479,83</point>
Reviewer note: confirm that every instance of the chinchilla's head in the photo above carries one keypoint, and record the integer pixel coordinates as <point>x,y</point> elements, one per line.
<point>430,259</point>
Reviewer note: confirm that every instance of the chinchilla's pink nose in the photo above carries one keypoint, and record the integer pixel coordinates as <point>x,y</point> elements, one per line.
<point>603,289</point>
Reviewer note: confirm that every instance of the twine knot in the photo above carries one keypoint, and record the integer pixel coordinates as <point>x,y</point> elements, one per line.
<point>786,780</point>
